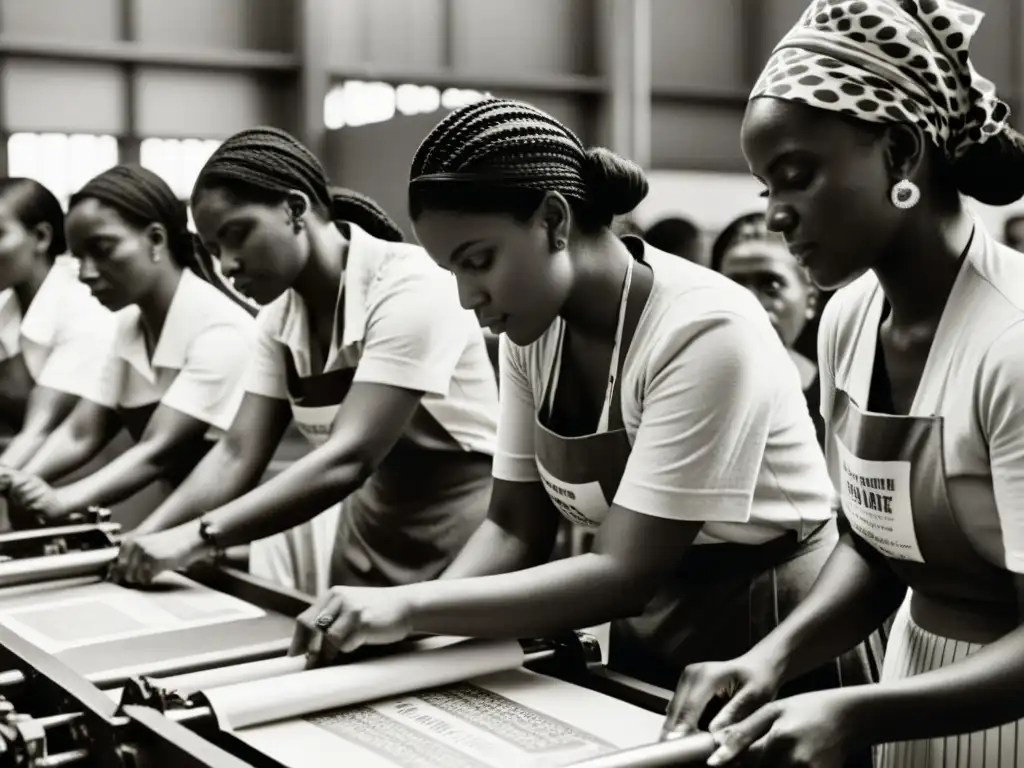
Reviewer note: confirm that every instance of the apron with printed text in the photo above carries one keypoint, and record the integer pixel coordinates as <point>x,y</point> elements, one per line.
<point>722,598</point>
<point>891,475</point>
<point>404,524</point>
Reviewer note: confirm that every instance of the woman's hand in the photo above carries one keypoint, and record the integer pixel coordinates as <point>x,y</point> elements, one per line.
<point>32,502</point>
<point>747,683</point>
<point>814,729</point>
<point>142,558</point>
<point>346,618</point>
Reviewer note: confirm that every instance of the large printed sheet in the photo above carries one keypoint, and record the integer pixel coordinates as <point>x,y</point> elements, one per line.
<point>103,612</point>
<point>514,719</point>
<point>101,628</point>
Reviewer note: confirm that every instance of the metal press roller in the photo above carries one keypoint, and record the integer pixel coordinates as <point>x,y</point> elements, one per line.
<point>169,711</point>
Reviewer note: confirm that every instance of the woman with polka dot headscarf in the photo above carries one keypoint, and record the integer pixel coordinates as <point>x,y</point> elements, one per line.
<point>866,127</point>
<point>643,397</point>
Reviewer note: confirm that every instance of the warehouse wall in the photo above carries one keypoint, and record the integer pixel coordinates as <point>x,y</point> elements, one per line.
<point>201,69</point>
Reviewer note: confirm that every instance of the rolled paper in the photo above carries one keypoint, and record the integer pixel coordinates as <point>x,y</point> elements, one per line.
<point>257,702</point>
<point>232,675</point>
<point>265,669</point>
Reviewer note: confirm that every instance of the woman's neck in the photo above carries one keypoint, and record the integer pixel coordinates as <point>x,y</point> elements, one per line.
<point>25,292</point>
<point>319,283</point>
<point>918,275</point>
<point>154,306</point>
<point>600,266</point>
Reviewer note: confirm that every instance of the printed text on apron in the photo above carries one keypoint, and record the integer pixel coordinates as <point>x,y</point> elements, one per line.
<point>891,475</point>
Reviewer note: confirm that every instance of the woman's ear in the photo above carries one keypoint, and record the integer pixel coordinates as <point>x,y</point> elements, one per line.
<point>156,235</point>
<point>43,234</point>
<point>298,204</point>
<point>904,150</point>
<point>555,214</point>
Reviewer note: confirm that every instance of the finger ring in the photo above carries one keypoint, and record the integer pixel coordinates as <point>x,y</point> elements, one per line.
<point>324,621</point>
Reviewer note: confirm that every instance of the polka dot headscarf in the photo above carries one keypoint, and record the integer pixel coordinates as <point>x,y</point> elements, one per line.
<point>505,142</point>
<point>887,61</point>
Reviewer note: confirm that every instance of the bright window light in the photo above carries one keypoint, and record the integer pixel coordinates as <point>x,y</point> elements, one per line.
<point>177,161</point>
<point>61,162</point>
<point>356,102</point>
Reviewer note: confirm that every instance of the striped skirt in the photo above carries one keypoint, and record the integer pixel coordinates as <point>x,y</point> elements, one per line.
<point>911,651</point>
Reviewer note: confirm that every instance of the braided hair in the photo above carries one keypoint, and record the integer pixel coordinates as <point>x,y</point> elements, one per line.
<point>499,155</point>
<point>140,197</point>
<point>33,204</point>
<point>262,165</point>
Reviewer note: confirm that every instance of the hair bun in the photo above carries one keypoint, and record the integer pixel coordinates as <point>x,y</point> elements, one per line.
<point>992,172</point>
<point>614,184</point>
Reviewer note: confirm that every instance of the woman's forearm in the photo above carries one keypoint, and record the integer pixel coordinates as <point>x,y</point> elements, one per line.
<point>129,473</point>
<point>225,473</point>
<point>22,447</point>
<point>492,550</point>
<point>311,485</point>
<point>576,592</point>
<point>65,451</point>
<point>852,596</point>
<point>982,691</point>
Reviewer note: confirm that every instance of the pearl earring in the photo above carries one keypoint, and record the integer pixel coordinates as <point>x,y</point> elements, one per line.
<point>154,255</point>
<point>905,194</point>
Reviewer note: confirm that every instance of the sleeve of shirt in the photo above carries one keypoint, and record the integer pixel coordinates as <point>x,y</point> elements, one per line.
<point>415,329</point>
<point>210,385</point>
<point>82,361</point>
<point>706,407</point>
<point>1001,413</point>
<point>515,459</point>
<point>266,371</point>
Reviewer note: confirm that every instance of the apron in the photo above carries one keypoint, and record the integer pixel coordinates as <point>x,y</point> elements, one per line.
<point>404,524</point>
<point>722,598</point>
<point>891,475</point>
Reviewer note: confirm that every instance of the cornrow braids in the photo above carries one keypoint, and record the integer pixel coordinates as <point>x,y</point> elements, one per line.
<point>348,205</point>
<point>265,164</point>
<point>504,147</point>
<point>269,160</point>
<point>141,198</point>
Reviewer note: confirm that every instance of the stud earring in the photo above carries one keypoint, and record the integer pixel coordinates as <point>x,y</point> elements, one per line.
<point>154,254</point>
<point>905,194</point>
<point>560,244</point>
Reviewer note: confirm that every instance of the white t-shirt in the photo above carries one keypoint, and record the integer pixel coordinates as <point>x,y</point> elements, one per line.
<point>403,326</point>
<point>198,364</point>
<point>711,403</point>
<point>973,379</point>
<point>65,336</point>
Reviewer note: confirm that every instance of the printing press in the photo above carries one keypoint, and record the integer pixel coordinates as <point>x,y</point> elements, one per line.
<point>194,672</point>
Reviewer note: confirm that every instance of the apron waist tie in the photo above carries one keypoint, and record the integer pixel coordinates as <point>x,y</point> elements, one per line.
<point>710,560</point>
<point>969,622</point>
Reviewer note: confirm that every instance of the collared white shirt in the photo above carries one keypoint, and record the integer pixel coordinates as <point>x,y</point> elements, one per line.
<point>404,327</point>
<point>198,364</point>
<point>65,336</point>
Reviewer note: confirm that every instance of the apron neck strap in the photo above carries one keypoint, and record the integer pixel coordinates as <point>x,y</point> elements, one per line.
<point>638,289</point>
